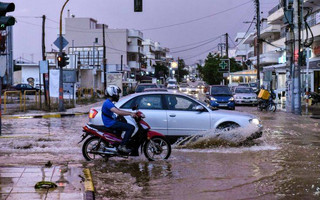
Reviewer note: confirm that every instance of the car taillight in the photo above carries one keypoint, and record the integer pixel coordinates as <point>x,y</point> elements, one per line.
<point>92,113</point>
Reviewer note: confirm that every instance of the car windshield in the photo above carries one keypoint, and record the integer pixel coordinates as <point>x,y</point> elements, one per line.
<point>244,90</point>
<point>172,82</point>
<point>140,88</point>
<point>184,85</point>
<point>220,91</point>
<point>253,85</point>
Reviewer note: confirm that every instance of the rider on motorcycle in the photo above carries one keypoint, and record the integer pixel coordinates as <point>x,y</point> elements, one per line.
<point>109,120</point>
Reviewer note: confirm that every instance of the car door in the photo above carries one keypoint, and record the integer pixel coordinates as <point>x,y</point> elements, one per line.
<point>152,106</point>
<point>183,118</point>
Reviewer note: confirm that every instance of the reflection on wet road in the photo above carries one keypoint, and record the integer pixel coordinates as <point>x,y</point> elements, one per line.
<point>283,164</point>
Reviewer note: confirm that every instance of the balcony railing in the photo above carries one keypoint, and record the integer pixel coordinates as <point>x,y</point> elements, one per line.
<point>273,10</point>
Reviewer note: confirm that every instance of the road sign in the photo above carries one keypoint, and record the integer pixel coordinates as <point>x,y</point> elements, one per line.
<point>64,42</point>
<point>224,65</point>
<point>3,65</point>
<point>44,66</point>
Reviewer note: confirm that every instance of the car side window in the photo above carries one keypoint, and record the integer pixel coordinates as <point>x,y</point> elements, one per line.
<point>153,102</point>
<point>129,104</point>
<point>176,102</point>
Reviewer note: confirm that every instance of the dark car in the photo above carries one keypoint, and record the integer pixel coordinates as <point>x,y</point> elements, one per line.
<point>220,96</point>
<point>140,87</point>
<point>22,87</point>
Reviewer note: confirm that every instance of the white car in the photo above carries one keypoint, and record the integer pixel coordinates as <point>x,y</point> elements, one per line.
<point>245,95</point>
<point>177,115</point>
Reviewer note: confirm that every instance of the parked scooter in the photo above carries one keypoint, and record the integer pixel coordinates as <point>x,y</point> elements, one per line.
<point>265,101</point>
<point>104,141</point>
<point>315,97</point>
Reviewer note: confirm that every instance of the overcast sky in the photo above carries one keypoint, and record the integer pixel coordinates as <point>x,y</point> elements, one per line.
<point>173,23</point>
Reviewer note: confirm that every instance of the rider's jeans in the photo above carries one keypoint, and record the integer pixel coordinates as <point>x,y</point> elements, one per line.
<point>128,128</point>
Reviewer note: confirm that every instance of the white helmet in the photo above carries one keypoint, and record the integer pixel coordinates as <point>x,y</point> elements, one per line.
<point>113,91</point>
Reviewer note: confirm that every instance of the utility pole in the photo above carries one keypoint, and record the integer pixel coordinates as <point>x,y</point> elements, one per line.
<point>290,37</point>
<point>178,69</point>
<point>258,41</point>
<point>227,46</point>
<point>297,68</point>
<point>104,59</point>
<point>43,58</point>
<point>121,63</point>
<point>61,104</point>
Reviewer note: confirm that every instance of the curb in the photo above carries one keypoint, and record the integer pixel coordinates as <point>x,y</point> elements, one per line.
<point>88,185</point>
<point>58,115</point>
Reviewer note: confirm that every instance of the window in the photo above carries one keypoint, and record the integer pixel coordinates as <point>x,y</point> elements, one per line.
<point>145,102</point>
<point>149,102</point>
<point>176,102</point>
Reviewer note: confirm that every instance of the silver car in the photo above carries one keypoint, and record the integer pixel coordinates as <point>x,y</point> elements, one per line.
<point>178,115</point>
<point>245,95</point>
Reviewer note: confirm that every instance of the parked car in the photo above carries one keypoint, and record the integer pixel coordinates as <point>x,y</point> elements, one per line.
<point>244,84</point>
<point>184,87</point>
<point>21,87</point>
<point>179,115</point>
<point>245,95</point>
<point>220,96</point>
<point>192,79</point>
<point>254,86</point>
<point>155,90</point>
<point>140,87</point>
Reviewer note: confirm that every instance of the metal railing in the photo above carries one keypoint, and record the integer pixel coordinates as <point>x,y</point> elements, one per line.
<point>5,99</point>
<point>37,95</point>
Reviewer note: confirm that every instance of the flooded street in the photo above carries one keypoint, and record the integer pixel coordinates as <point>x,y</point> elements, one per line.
<point>283,164</point>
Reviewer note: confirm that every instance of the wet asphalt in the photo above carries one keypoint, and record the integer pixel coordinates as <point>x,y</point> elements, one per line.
<point>283,164</point>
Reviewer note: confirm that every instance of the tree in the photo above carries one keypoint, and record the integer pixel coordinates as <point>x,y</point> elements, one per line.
<point>161,71</point>
<point>210,71</point>
<point>181,70</point>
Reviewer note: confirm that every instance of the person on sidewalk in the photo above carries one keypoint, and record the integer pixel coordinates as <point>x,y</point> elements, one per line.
<point>108,117</point>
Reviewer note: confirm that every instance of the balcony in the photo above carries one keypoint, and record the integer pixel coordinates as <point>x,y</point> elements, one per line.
<point>135,34</point>
<point>270,30</point>
<point>133,64</point>
<point>150,56</point>
<point>276,16</point>
<point>267,58</point>
<point>134,49</point>
<point>249,39</point>
<point>148,42</point>
<point>241,52</point>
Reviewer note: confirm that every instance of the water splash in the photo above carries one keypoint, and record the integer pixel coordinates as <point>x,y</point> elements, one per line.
<point>215,138</point>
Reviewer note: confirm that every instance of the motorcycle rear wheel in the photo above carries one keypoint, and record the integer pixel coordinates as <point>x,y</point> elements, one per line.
<point>157,148</point>
<point>91,145</point>
<point>272,108</point>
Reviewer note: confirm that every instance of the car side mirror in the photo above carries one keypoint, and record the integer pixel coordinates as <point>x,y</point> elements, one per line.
<point>200,108</point>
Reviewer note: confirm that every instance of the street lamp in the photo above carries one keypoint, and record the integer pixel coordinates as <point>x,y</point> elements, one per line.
<point>61,105</point>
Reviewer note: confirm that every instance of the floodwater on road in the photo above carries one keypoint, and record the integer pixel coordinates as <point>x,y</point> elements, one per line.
<point>283,164</point>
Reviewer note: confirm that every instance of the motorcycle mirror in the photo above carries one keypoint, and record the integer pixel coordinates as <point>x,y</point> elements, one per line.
<point>135,107</point>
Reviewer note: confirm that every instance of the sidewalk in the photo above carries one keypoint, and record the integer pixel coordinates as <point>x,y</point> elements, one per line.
<point>78,110</point>
<point>19,183</point>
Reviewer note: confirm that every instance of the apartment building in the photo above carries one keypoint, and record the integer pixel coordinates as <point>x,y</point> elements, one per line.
<point>273,54</point>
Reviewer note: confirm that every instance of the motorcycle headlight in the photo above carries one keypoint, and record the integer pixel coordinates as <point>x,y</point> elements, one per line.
<point>254,121</point>
<point>213,99</point>
<point>231,99</point>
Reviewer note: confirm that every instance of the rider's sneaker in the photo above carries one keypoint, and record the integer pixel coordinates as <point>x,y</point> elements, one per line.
<point>124,149</point>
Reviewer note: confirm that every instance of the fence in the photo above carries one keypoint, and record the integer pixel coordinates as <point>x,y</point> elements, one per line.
<point>6,93</point>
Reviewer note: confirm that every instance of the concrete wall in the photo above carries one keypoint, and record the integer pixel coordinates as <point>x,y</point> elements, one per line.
<point>16,77</point>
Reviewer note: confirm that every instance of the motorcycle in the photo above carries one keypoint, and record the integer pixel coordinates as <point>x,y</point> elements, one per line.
<point>104,141</point>
<point>268,104</point>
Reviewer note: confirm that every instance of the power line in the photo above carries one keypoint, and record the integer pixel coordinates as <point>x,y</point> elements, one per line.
<point>195,46</point>
<point>200,53</point>
<point>197,19</point>
<point>245,33</point>
<point>195,43</point>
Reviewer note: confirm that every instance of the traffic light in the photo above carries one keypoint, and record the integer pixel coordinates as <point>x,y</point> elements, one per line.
<point>137,5</point>
<point>63,59</point>
<point>60,59</point>
<point>6,20</point>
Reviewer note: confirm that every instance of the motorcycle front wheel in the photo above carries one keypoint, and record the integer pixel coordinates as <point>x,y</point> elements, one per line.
<point>91,148</point>
<point>157,148</point>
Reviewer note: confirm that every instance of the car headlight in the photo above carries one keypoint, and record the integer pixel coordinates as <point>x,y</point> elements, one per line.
<point>213,99</point>
<point>254,121</point>
<point>231,99</point>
